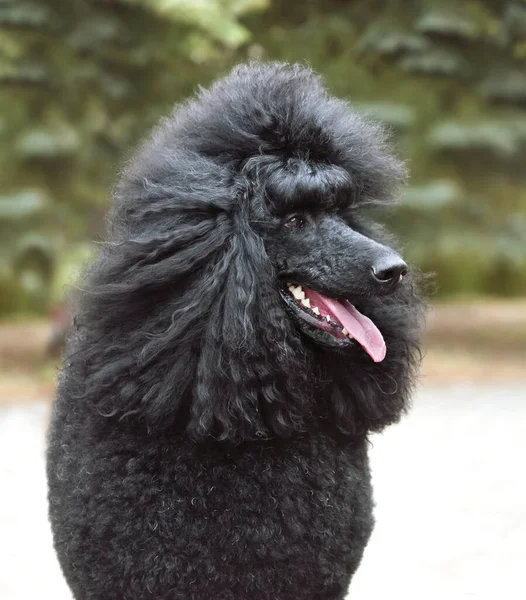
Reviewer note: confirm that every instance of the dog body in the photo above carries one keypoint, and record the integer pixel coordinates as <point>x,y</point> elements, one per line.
<point>242,332</point>
<point>262,520</point>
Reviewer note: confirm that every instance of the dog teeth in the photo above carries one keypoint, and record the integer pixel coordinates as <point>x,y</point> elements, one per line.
<point>344,331</point>
<point>328,319</point>
<point>298,293</point>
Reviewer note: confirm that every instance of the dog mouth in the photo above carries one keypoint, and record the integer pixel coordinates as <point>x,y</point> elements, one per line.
<point>338,318</point>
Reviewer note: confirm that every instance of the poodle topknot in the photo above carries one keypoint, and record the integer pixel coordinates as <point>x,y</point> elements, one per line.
<point>242,331</point>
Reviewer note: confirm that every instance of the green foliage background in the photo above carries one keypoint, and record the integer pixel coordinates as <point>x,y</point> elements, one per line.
<point>81,82</point>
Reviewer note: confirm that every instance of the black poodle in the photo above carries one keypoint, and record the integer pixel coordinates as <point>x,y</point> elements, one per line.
<point>241,333</point>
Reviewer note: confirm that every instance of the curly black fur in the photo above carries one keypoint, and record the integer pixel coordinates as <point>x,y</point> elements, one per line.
<point>202,445</point>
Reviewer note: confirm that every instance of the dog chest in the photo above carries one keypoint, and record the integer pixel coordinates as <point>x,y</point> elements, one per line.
<point>228,516</point>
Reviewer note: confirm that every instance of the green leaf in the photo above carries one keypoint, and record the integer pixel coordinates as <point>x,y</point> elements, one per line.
<point>46,144</point>
<point>23,204</point>
<point>433,196</point>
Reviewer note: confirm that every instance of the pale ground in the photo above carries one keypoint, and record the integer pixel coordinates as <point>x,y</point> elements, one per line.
<point>450,484</point>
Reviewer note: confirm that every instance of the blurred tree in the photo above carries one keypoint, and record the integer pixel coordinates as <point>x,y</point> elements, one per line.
<point>81,82</point>
<point>449,79</point>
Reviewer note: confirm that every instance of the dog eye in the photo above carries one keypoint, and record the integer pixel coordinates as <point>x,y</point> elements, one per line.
<point>298,221</point>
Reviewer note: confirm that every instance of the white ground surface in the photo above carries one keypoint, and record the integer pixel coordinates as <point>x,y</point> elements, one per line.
<point>450,484</point>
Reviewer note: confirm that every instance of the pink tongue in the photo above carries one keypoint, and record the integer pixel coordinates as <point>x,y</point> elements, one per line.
<point>362,329</point>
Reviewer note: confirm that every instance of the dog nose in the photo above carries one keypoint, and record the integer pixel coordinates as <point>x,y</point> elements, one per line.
<point>389,271</point>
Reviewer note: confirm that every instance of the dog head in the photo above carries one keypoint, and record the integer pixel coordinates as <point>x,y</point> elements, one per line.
<point>242,292</point>
<point>325,259</point>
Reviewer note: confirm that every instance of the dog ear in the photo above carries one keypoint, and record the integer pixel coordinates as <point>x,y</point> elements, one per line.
<point>241,390</point>
<point>180,322</point>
